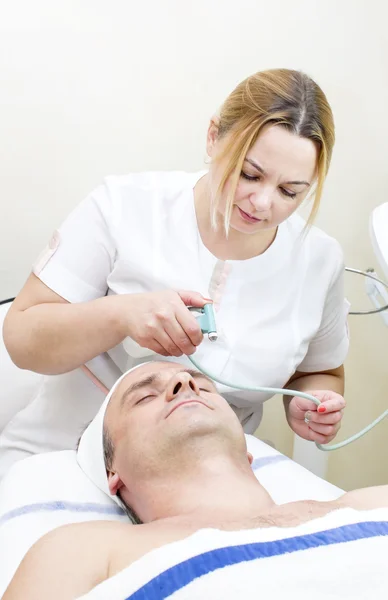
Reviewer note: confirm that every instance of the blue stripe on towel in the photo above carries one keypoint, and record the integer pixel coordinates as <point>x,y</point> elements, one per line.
<point>59,505</point>
<point>177,577</point>
<point>90,507</point>
<point>258,463</point>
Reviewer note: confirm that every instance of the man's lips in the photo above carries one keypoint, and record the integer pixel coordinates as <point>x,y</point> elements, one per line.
<point>185,402</point>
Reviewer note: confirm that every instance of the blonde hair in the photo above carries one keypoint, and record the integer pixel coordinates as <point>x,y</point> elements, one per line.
<point>282,97</point>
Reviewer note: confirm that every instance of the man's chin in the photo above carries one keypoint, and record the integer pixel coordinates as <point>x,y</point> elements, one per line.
<point>199,423</point>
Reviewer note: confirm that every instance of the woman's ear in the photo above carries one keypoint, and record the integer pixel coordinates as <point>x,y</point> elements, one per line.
<point>114,483</point>
<point>212,135</point>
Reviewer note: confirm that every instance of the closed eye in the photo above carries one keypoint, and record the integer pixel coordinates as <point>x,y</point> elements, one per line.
<point>283,191</point>
<point>144,399</point>
<point>250,177</point>
<point>287,193</point>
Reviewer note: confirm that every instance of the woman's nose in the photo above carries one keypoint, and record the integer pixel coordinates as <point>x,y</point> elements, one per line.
<point>181,383</point>
<point>261,200</point>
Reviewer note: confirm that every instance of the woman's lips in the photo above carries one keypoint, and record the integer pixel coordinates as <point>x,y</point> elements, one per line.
<point>248,217</point>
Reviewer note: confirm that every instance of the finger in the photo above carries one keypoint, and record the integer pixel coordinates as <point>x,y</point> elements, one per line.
<point>179,337</point>
<point>324,419</point>
<point>334,404</point>
<point>303,405</point>
<point>318,438</point>
<point>193,298</point>
<point>325,430</point>
<point>156,347</point>
<point>190,328</point>
<point>163,338</point>
<point>330,401</point>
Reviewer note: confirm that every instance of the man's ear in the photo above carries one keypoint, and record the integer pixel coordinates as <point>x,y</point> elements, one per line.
<point>212,135</point>
<point>250,458</point>
<point>114,482</point>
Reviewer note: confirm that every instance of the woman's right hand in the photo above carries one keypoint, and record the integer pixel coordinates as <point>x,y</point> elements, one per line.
<point>161,321</point>
<point>45,333</point>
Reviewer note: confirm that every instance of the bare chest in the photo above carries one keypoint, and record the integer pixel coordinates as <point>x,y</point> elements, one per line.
<point>146,538</point>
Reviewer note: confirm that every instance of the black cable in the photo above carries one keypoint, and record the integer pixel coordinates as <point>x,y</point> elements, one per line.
<point>6,301</point>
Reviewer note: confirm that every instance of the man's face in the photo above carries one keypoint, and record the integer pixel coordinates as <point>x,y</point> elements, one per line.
<point>162,416</point>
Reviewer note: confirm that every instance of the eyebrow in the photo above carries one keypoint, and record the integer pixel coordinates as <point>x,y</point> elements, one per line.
<point>261,170</point>
<point>154,378</point>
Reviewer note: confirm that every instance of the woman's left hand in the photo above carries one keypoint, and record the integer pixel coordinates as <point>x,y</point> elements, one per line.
<point>316,423</point>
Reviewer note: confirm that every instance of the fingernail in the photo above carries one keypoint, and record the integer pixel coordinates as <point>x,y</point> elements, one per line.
<point>321,408</point>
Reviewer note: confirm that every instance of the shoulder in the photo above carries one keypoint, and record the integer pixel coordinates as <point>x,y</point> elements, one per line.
<point>73,538</point>
<point>131,195</point>
<point>161,183</point>
<point>320,249</point>
<point>82,549</point>
<point>316,238</point>
<point>366,498</point>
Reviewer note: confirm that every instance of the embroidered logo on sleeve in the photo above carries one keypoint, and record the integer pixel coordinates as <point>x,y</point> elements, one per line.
<point>47,253</point>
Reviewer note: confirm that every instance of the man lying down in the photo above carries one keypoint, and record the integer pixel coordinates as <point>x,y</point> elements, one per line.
<point>175,455</point>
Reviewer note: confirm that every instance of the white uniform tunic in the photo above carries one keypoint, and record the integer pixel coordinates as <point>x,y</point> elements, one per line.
<point>276,313</point>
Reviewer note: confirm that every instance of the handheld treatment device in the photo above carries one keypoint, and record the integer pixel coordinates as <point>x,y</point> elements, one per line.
<point>207,323</point>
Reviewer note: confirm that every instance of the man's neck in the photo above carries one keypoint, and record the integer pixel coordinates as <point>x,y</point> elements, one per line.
<point>216,492</point>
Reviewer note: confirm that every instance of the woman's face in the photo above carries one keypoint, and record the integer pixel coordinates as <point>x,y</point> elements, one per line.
<point>278,172</point>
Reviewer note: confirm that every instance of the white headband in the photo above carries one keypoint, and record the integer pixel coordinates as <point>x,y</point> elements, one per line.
<point>90,455</point>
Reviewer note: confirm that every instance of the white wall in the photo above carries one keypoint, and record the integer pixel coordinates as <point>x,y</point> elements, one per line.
<point>92,88</point>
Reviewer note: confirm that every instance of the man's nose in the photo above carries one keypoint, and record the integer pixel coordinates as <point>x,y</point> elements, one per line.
<point>181,383</point>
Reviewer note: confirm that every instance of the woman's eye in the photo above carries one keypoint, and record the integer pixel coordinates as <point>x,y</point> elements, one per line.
<point>287,193</point>
<point>250,177</point>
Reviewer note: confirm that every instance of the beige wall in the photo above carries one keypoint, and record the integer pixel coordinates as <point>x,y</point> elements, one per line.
<point>366,461</point>
<point>93,88</point>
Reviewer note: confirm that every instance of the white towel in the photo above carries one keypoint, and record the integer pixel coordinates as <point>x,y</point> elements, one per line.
<point>342,555</point>
<point>39,494</point>
<point>49,490</point>
<point>90,455</point>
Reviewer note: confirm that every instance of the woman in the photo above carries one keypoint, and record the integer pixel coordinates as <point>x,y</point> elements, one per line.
<point>115,270</point>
